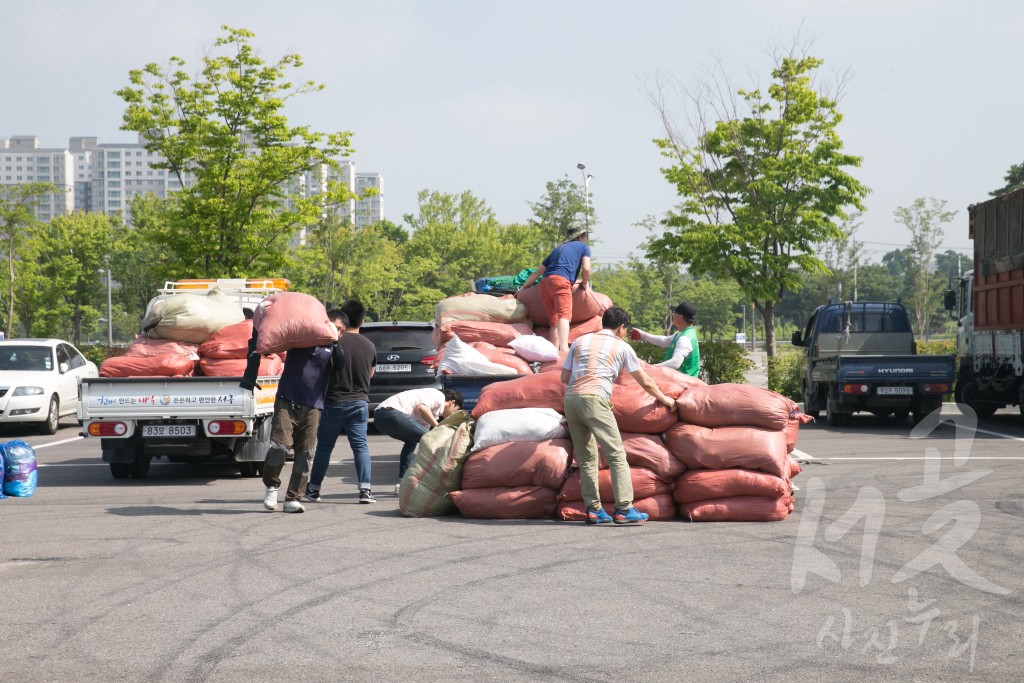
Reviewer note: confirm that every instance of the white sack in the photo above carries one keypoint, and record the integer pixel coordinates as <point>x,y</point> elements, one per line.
<point>462,359</point>
<point>532,347</point>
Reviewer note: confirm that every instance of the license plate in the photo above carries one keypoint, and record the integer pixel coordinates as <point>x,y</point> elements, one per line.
<point>394,367</point>
<point>895,391</point>
<point>168,430</point>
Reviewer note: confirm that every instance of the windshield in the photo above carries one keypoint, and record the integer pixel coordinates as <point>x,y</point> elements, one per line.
<point>26,358</point>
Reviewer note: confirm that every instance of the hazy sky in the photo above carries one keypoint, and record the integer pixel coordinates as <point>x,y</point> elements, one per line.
<point>501,97</point>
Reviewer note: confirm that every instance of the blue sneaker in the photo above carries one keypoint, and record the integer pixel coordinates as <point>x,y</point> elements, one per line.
<point>630,516</point>
<point>598,516</point>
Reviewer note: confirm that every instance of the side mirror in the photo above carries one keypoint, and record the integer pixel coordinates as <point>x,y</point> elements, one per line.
<point>63,367</point>
<point>949,300</point>
<point>798,339</point>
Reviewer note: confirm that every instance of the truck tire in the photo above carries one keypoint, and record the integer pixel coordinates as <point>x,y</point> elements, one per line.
<point>121,470</point>
<point>967,393</point>
<point>836,418</point>
<point>810,400</point>
<point>140,466</point>
<point>250,470</point>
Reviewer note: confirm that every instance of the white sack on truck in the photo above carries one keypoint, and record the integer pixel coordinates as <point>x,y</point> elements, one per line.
<point>480,307</point>
<point>462,359</point>
<point>291,320</point>
<point>191,317</point>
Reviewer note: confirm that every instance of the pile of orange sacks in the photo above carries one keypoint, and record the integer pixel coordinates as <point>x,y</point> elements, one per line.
<point>721,455</point>
<point>223,354</point>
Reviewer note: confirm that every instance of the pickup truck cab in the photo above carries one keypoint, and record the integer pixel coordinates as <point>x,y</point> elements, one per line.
<point>861,356</point>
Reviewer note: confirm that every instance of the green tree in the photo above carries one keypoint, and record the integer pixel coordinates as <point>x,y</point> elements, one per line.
<point>224,136</point>
<point>760,187</point>
<point>924,219</point>
<point>563,205</point>
<point>17,218</point>
<point>718,303</point>
<point>71,252</point>
<point>1014,179</point>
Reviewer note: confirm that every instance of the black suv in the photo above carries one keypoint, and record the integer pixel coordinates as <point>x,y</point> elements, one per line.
<point>405,358</point>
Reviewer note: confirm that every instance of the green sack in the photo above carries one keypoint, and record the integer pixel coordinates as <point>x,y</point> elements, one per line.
<point>436,470</point>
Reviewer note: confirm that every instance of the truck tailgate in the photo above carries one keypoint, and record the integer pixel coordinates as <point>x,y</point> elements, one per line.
<point>173,398</point>
<point>895,369</point>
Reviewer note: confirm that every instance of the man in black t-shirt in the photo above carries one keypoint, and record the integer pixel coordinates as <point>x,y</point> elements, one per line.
<point>347,406</point>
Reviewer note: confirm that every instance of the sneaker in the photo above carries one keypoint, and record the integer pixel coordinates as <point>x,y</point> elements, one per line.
<point>630,516</point>
<point>398,487</point>
<point>293,506</point>
<point>598,516</point>
<point>366,497</point>
<point>270,498</point>
<point>311,496</point>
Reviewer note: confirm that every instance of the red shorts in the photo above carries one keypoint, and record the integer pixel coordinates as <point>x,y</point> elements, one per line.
<point>556,294</point>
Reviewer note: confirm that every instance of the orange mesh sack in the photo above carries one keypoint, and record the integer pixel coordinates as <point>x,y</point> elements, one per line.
<point>577,330</point>
<point>586,304</point>
<point>722,405</point>
<point>231,341</point>
<point>645,484</point>
<point>637,411</point>
<point>480,307</point>
<point>530,502</point>
<point>166,365</point>
<point>696,485</point>
<point>291,320</point>
<point>793,429</point>
<point>738,509</point>
<point>499,334</point>
<point>647,450</point>
<point>751,448</point>
<point>144,346</point>
<point>541,390</point>
<point>661,373</point>
<point>519,463</point>
<point>270,366</point>
<point>661,508</point>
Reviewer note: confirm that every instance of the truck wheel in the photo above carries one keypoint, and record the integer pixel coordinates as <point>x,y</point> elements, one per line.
<point>813,412</point>
<point>52,418</point>
<point>968,395</point>
<point>140,466</point>
<point>250,470</point>
<point>835,418</point>
<point>121,470</point>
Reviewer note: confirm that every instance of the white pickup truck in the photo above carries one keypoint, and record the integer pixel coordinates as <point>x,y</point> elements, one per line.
<point>185,419</point>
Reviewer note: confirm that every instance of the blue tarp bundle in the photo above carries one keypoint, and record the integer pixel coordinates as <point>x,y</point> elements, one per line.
<point>19,467</point>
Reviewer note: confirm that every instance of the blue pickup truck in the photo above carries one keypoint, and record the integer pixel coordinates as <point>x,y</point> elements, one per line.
<point>861,356</point>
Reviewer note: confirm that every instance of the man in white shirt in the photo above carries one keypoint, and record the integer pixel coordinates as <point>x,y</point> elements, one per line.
<point>590,367</point>
<point>411,414</point>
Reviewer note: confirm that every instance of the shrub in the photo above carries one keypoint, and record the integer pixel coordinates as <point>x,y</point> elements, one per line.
<point>785,373</point>
<point>723,361</point>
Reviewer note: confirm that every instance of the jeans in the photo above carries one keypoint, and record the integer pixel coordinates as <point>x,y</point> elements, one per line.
<point>590,419</point>
<point>292,427</point>
<point>398,425</point>
<point>349,417</point>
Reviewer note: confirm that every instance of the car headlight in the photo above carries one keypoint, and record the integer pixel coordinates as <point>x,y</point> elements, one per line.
<point>27,391</point>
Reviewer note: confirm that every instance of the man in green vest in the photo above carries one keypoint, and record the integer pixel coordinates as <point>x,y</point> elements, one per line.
<point>682,352</point>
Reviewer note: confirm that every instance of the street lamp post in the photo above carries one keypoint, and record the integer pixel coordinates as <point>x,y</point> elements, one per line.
<point>586,192</point>
<point>110,317</point>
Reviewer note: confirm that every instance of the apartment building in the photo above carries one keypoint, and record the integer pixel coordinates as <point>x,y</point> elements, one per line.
<point>23,161</point>
<point>103,177</point>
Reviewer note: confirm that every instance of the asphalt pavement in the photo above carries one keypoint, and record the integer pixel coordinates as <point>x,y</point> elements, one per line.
<point>900,563</point>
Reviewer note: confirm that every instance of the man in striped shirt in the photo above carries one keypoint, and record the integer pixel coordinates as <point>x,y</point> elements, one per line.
<point>592,364</point>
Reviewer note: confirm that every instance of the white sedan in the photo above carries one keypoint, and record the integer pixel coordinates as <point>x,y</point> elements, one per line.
<point>39,381</point>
